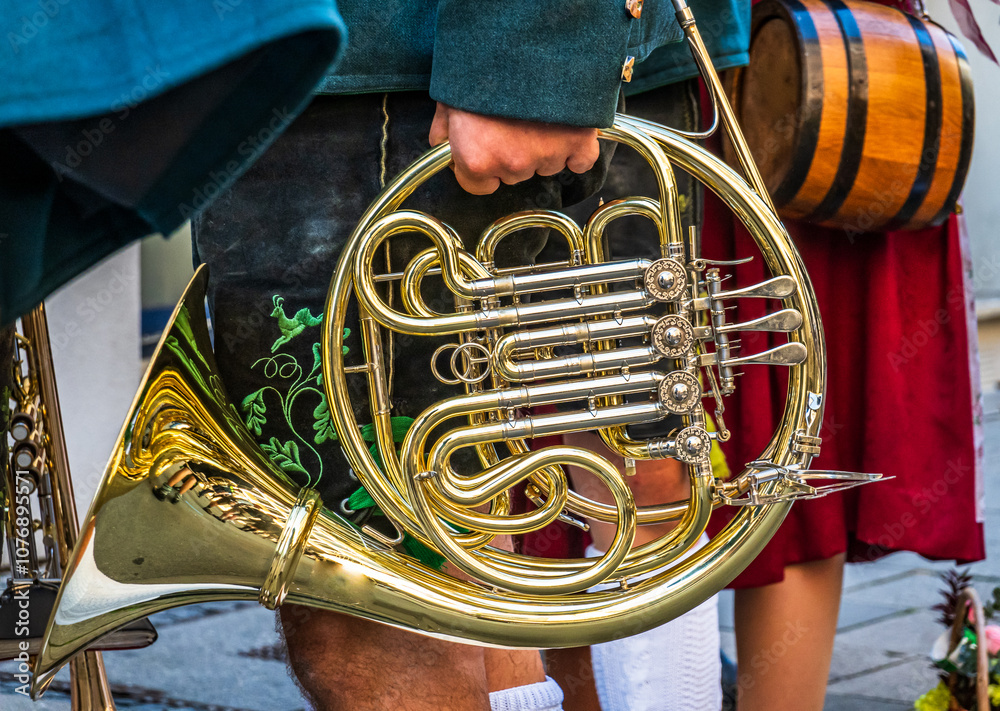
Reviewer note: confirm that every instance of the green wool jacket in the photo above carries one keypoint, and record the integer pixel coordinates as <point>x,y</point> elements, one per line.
<point>558,61</point>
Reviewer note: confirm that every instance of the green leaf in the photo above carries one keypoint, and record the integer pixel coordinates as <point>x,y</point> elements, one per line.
<point>254,408</point>
<point>317,357</point>
<point>324,423</point>
<point>286,455</point>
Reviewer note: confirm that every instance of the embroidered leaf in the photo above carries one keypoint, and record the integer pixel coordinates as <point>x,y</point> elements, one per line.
<point>285,455</point>
<point>324,423</point>
<point>317,356</point>
<point>255,409</point>
<point>347,332</point>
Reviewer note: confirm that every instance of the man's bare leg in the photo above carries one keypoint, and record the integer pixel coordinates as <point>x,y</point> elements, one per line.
<point>344,662</point>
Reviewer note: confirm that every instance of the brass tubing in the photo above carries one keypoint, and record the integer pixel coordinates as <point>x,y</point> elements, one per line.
<point>563,225</point>
<point>89,689</point>
<point>480,567</point>
<point>579,364</point>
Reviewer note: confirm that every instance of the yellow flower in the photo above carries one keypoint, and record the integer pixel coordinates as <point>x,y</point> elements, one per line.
<point>994,690</point>
<point>934,700</point>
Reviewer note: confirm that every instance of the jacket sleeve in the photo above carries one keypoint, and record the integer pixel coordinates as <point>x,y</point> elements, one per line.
<point>558,61</point>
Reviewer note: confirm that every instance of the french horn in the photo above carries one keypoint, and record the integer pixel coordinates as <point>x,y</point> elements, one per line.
<point>191,510</point>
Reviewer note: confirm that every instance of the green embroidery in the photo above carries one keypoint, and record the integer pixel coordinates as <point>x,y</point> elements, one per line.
<point>291,327</point>
<point>285,456</point>
<point>291,381</point>
<point>361,499</point>
<point>324,423</point>
<point>255,408</point>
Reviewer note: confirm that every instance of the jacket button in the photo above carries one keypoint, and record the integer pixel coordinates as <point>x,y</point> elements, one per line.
<point>634,8</point>
<point>627,69</point>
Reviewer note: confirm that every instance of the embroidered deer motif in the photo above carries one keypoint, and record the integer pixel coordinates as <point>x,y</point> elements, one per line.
<point>291,327</point>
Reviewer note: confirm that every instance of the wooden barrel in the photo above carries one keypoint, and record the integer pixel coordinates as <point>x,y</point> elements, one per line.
<point>860,116</point>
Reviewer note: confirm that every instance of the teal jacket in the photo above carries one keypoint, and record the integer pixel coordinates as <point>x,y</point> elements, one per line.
<point>558,61</point>
<point>120,118</point>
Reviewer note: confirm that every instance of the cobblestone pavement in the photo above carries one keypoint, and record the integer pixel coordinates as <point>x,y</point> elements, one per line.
<point>227,657</point>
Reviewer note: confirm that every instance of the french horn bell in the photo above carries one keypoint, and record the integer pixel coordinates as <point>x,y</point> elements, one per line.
<point>191,510</point>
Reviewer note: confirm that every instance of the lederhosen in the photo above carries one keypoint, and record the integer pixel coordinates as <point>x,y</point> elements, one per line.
<point>272,242</point>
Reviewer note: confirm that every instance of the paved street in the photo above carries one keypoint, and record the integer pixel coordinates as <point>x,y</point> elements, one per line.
<point>226,657</point>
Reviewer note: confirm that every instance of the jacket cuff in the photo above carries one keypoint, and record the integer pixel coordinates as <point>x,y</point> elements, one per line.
<point>558,61</point>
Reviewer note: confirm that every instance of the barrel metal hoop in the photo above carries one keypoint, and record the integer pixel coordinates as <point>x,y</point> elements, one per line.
<point>968,123</point>
<point>289,549</point>
<point>857,114</point>
<point>812,88</point>
<point>932,126</point>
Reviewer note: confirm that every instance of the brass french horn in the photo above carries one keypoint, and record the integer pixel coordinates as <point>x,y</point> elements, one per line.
<point>191,510</point>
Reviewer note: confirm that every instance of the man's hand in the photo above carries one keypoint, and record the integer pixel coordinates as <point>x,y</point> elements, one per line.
<point>488,150</point>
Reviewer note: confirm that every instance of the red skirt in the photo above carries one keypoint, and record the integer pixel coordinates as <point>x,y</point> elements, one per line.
<point>902,395</point>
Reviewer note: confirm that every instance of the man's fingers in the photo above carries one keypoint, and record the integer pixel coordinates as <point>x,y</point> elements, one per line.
<point>584,157</point>
<point>551,165</point>
<point>439,126</point>
<point>517,175</point>
<point>475,183</point>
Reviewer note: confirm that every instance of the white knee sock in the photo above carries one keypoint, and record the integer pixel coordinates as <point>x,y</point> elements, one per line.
<point>543,696</point>
<point>674,667</point>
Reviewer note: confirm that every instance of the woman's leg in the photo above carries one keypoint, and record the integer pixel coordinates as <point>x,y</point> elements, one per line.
<point>784,637</point>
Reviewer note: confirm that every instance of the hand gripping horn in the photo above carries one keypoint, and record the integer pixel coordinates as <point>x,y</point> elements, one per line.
<point>191,510</point>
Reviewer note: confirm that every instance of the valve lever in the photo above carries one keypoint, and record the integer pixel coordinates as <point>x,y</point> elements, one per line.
<point>791,353</point>
<point>786,354</point>
<point>780,322</point>
<point>779,287</point>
